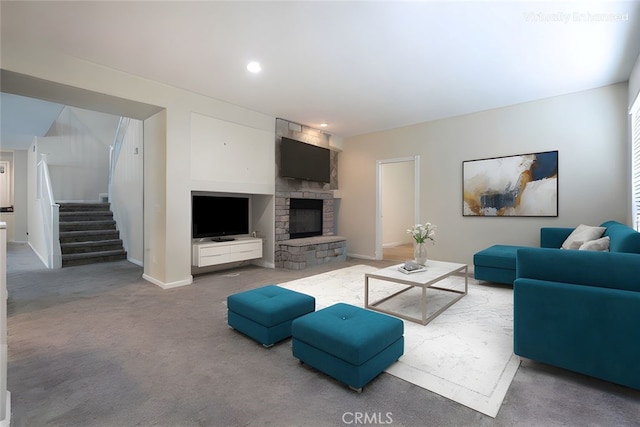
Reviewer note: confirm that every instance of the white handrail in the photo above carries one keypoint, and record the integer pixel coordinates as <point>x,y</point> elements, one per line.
<point>50,214</point>
<point>114,153</point>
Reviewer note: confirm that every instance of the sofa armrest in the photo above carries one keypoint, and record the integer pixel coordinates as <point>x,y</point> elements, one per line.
<point>587,329</point>
<point>589,268</point>
<point>554,237</point>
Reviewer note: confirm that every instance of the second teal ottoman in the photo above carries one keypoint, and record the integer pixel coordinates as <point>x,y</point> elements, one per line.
<point>348,343</point>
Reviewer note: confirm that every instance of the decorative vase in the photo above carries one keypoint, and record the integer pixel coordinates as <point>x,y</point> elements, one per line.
<point>420,253</point>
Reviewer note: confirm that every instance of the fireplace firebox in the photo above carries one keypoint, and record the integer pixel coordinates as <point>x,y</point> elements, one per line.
<point>305,218</point>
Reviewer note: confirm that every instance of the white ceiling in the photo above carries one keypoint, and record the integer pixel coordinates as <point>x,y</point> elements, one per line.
<point>360,66</point>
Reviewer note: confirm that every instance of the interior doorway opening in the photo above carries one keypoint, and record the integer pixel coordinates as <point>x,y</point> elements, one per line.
<point>397,206</point>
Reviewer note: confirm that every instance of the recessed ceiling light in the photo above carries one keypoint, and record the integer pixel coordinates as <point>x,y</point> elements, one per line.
<point>254,67</point>
<point>324,125</point>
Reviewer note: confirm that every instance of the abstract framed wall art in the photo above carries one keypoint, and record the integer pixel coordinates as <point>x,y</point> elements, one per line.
<point>520,185</point>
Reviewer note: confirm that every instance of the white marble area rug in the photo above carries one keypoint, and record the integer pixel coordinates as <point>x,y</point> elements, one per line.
<point>465,354</point>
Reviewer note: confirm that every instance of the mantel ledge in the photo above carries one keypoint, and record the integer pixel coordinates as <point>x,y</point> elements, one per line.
<point>316,240</point>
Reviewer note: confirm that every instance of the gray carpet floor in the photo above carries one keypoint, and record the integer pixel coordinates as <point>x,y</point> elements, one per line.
<point>97,345</point>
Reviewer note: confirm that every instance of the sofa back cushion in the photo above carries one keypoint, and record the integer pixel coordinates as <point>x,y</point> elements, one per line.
<point>589,268</point>
<point>623,238</point>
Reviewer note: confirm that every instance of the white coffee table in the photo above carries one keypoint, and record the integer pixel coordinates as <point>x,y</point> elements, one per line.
<point>435,272</point>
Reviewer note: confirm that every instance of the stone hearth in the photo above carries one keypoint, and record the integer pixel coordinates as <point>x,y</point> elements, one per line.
<point>298,254</point>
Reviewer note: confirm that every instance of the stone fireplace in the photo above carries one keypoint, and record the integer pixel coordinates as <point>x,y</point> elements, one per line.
<point>305,210</point>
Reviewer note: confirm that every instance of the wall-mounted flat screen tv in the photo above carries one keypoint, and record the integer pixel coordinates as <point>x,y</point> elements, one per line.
<point>304,161</point>
<point>217,216</point>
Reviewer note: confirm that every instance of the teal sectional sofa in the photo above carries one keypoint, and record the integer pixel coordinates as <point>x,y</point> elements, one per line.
<point>580,310</point>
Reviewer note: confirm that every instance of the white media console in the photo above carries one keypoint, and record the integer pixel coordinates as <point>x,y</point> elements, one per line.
<point>208,253</point>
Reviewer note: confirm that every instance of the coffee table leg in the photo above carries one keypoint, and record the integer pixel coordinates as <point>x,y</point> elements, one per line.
<point>424,305</point>
<point>366,291</point>
<point>466,279</point>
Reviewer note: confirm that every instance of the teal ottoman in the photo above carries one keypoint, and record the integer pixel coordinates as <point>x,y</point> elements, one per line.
<point>496,263</point>
<point>348,343</point>
<point>265,314</point>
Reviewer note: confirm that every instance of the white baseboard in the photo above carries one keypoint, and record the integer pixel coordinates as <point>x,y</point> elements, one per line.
<point>42,259</point>
<point>394,244</point>
<point>264,264</point>
<point>136,262</point>
<point>359,256</point>
<point>171,285</point>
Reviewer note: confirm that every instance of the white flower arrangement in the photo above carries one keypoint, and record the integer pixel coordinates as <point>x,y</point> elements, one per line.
<point>423,232</point>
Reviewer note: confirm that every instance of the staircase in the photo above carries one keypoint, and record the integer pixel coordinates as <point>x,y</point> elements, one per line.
<point>88,234</point>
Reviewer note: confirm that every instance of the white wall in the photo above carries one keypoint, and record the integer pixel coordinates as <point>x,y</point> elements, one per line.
<point>155,201</point>
<point>126,191</point>
<point>633,96</point>
<point>37,238</point>
<point>397,202</point>
<point>168,215</point>
<point>78,157</point>
<point>634,82</point>
<point>589,129</point>
<point>230,157</point>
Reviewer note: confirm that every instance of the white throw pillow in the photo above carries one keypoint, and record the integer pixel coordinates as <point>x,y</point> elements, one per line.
<point>601,245</point>
<point>581,234</point>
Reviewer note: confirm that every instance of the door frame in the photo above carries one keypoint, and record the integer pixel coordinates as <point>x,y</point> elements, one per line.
<point>8,182</point>
<point>416,197</point>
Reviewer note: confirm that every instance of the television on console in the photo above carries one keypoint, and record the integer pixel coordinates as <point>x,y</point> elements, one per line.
<point>304,161</point>
<point>219,216</point>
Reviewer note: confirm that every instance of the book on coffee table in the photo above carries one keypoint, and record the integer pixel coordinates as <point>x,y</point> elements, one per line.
<point>417,270</point>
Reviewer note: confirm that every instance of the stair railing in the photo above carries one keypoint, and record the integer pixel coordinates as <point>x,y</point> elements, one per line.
<point>50,214</point>
<point>115,149</point>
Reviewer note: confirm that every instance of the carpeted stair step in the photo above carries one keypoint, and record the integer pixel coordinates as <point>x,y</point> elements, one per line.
<point>78,207</point>
<point>87,225</point>
<point>93,257</point>
<point>92,235</point>
<point>91,246</point>
<point>90,215</point>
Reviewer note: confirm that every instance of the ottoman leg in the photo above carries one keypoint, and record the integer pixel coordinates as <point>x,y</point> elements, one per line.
<point>357,390</point>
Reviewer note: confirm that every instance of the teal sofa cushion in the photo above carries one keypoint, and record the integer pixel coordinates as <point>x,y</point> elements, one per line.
<point>498,256</point>
<point>496,263</point>
<point>587,268</point>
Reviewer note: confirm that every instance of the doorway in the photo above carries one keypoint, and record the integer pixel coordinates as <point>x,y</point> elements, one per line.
<point>397,206</point>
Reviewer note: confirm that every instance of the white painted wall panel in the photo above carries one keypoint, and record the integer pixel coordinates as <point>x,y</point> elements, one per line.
<point>224,152</point>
